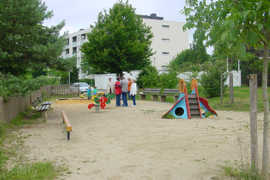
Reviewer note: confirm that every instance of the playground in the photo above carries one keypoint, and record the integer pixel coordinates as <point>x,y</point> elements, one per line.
<point>136,143</point>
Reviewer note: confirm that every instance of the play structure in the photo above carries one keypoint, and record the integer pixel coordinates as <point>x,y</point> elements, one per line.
<point>190,105</point>
<point>100,100</point>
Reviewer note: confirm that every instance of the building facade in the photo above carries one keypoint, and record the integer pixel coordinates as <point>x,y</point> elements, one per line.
<point>168,40</point>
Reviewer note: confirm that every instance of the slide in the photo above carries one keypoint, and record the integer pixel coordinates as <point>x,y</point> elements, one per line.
<point>205,103</point>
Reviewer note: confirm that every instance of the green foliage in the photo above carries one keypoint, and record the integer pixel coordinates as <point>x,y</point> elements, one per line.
<point>26,43</point>
<point>35,171</point>
<point>210,81</point>
<point>13,86</point>
<point>118,42</point>
<point>242,173</point>
<point>148,78</point>
<point>168,80</point>
<point>190,59</point>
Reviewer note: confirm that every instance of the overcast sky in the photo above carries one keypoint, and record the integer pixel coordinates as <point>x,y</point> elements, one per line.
<point>81,13</point>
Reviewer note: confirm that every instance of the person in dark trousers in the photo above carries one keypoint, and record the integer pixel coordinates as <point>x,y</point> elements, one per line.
<point>118,91</point>
<point>124,86</point>
<point>133,92</point>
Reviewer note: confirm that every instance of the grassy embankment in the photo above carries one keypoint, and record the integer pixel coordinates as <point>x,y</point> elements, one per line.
<point>21,170</point>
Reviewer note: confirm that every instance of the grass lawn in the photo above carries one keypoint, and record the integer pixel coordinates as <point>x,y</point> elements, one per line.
<point>241,100</point>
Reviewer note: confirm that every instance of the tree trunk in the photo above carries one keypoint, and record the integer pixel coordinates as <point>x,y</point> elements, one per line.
<point>253,121</point>
<point>265,156</point>
<point>231,87</point>
<point>221,88</point>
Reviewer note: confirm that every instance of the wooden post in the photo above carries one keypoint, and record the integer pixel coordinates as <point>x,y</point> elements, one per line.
<point>221,88</point>
<point>231,88</point>
<point>253,121</point>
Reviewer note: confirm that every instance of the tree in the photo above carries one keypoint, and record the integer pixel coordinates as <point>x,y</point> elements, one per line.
<point>25,42</point>
<point>119,41</point>
<point>245,23</point>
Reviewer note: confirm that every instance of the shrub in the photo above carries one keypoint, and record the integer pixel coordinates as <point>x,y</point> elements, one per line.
<point>19,86</point>
<point>210,81</point>
<point>168,80</point>
<point>148,78</point>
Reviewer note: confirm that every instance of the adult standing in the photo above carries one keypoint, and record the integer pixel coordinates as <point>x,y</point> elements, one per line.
<point>124,85</point>
<point>133,92</point>
<point>110,87</point>
<point>118,91</point>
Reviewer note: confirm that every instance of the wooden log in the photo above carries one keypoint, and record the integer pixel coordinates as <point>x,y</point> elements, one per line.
<point>67,123</point>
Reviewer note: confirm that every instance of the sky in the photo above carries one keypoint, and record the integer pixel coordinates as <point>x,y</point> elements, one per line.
<point>79,14</point>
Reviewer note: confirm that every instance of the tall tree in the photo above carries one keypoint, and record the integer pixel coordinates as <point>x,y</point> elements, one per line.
<point>119,41</point>
<point>247,24</point>
<point>25,42</point>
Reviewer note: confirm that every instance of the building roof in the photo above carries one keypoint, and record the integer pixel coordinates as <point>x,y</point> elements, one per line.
<point>152,16</point>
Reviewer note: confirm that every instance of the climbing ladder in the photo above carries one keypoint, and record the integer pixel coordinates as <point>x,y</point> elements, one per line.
<point>193,99</point>
<point>194,106</point>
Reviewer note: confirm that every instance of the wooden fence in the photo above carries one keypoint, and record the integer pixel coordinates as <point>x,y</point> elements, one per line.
<point>14,105</point>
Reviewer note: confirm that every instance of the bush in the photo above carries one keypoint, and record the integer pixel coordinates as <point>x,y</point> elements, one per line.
<point>19,86</point>
<point>210,81</point>
<point>148,78</point>
<point>168,80</point>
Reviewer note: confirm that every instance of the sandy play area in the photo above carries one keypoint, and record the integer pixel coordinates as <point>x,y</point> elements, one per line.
<point>122,143</point>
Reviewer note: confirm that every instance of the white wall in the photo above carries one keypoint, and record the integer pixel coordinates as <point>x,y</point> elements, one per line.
<point>171,39</point>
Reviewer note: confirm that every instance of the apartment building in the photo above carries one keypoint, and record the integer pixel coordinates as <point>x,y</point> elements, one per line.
<point>74,41</point>
<point>169,39</point>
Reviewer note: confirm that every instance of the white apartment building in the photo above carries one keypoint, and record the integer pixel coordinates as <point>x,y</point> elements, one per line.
<point>74,41</point>
<point>169,39</point>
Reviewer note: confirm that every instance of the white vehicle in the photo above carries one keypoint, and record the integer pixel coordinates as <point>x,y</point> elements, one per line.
<point>82,85</point>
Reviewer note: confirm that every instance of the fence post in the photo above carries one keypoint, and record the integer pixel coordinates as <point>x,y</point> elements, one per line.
<point>253,121</point>
<point>231,88</point>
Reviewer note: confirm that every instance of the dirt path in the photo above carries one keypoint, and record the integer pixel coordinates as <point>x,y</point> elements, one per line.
<point>135,143</point>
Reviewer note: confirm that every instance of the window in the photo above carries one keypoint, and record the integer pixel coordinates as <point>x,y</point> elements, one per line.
<point>74,39</point>
<point>74,50</point>
<point>67,41</point>
<point>67,51</point>
<point>83,36</point>
<point>165,52</point>
<point>165,39</point>
<point>165,25</point>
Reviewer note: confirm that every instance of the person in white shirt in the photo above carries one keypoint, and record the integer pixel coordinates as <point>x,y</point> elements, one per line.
<point>133,92</point>
<point>110,87</point>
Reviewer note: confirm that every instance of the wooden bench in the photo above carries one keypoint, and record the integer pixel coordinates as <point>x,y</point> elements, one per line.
<point>169,92</point>
<point>154,92</point>
<point>41,107</point>
<point>67,124</point>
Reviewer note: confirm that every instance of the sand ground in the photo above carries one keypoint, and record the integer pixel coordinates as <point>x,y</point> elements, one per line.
<point>122,143</point>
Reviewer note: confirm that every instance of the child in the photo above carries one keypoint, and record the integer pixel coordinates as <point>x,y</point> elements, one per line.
<point>133,92</point>
<point>94,91</point>
<point>89,92</point>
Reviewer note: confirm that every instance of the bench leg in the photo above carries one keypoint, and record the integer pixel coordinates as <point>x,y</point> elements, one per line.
<point>143,97</point>
<point>163,98</point>
<point>44,115</point>
<point>155,97</point>
<point>175,98</point>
